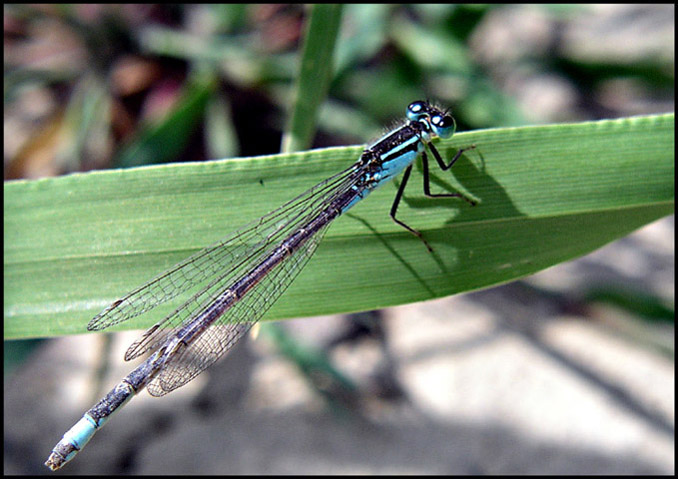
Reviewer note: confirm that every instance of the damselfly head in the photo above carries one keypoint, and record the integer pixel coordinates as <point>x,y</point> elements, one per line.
<point>440,122</point>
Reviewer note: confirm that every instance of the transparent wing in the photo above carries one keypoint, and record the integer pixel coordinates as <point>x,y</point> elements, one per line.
<point>297,215</point>
<point>212,343</point>
<point>208,267</point>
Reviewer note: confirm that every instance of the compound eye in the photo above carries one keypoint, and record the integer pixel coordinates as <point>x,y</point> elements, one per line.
<point>417,107</point>
<point>443,126</point>
<point>417,110</point>
<point>442,121</point>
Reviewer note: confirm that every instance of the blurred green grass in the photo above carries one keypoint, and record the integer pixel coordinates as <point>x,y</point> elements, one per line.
<point>154,84</point>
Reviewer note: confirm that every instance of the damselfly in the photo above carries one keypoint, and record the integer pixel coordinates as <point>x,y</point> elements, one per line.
<point>235,281</point>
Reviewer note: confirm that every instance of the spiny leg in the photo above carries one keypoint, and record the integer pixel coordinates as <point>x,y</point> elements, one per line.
<point>444,167</point>
<point>396,202</point>
<point>427,187</point>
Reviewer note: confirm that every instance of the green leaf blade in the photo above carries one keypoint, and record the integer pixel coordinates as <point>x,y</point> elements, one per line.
<point>546,194</point>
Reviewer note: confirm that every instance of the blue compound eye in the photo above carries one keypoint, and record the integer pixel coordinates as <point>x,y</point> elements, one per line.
<point>443,126</point>
<point>417,110</point>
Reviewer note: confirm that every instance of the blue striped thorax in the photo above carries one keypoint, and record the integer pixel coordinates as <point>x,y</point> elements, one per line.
<point>395,151</point>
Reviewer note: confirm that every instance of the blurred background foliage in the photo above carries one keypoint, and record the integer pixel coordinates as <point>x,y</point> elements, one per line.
<point>101,86</point>
<point>110,86</point>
